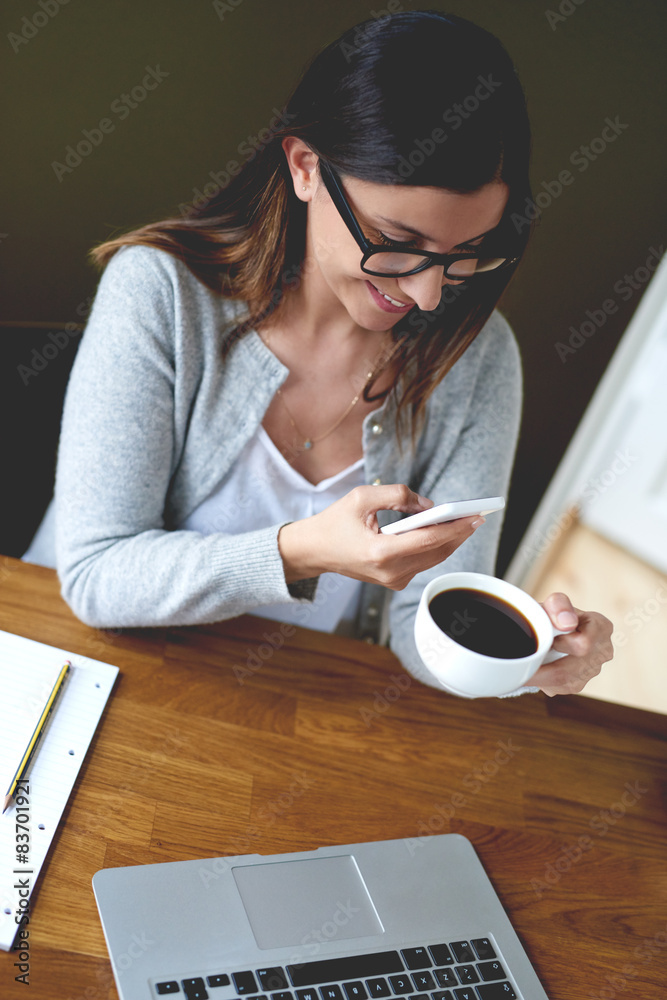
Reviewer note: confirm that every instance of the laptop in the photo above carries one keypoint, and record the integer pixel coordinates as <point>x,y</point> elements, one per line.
<point>413,918</point>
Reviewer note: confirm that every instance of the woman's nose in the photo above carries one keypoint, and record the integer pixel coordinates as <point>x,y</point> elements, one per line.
<point>425,288</point>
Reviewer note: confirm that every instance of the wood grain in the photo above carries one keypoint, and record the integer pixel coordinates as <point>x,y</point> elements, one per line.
<point>329,741</point>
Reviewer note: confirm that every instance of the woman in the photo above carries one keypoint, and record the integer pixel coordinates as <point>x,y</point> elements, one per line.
<point>315,345</point>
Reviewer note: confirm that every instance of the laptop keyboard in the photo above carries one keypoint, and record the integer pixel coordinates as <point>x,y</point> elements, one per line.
<point>456,970</point>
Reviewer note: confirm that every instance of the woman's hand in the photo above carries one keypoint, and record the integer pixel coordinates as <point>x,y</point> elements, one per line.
<point>345,538</point>
<point>588,646</point>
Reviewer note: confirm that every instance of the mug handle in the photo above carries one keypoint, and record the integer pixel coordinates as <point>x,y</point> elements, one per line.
<point>550,656</point>
<point>555,654</point>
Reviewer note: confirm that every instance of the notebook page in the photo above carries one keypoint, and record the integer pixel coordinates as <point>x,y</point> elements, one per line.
<point>30,822</point>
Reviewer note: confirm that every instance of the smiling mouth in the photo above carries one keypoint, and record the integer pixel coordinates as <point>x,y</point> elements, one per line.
<point>394,302</point>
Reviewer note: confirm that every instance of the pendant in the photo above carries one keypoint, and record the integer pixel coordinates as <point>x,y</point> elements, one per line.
<point>307,444</point>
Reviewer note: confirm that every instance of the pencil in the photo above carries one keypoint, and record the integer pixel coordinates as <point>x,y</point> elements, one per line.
<point>39,729</point>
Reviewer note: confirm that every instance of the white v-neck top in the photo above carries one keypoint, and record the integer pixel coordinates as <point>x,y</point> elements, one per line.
<point>261,489</point>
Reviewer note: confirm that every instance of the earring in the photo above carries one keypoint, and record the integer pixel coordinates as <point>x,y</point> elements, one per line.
<point>303,188</point>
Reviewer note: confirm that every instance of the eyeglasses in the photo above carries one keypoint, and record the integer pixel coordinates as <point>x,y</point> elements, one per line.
<point>387,262</point>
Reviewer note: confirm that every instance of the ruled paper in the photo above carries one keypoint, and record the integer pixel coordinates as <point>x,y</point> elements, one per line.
<point>27,668</point>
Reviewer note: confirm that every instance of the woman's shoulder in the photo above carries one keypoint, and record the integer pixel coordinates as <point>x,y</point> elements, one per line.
<point>499,354</point>
<point>488,376</point>
<point>493,356</point>
<point>155,273</point>
<point>139,263</point>
<point>497,338</point>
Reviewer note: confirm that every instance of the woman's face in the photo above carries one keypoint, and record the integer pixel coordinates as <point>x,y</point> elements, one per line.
<point>423,217</point>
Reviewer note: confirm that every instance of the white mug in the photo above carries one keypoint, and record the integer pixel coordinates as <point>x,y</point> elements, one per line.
<point>463,671</point>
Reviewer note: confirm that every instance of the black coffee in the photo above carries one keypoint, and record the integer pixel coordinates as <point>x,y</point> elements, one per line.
<point>483,623</point>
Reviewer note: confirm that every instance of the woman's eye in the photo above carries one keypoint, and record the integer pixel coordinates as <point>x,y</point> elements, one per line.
<point>469,248</point>
<point>388,242</point>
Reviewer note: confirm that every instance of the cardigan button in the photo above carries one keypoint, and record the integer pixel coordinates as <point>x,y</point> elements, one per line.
<point>376,429</point>
<point>377,482</point>
<point>373,611</point>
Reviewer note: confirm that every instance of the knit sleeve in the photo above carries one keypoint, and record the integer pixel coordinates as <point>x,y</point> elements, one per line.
<point>118,563</point>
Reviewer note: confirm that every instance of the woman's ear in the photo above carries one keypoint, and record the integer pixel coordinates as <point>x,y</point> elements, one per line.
<point>302,163</point>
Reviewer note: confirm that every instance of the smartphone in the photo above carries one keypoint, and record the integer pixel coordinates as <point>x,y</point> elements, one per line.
<point>444,512</point>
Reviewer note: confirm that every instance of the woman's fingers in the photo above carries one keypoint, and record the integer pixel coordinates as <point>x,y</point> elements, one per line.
<point>368,500</point>
<point>396,563</point>
<point>345,538</point>
<point>587,647</point>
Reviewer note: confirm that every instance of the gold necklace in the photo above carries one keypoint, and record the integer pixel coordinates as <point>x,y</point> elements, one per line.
<point>308,442</point>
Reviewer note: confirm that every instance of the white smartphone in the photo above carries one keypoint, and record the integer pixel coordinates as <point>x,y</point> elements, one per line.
<point>444,512</point>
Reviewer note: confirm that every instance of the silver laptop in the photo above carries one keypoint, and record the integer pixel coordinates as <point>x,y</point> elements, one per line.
<point>413,918</point>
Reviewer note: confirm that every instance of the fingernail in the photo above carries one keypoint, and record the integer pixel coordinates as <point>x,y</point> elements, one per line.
<point>566,619</point>
<point>476,523</point>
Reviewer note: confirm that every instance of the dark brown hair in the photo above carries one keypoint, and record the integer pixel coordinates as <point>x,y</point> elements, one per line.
<point>371,103</point>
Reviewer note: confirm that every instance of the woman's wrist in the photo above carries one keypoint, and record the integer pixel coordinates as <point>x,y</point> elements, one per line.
<point>298,552</point>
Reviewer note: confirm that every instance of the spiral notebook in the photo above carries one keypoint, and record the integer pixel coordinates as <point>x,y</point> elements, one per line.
<point>28,671</point>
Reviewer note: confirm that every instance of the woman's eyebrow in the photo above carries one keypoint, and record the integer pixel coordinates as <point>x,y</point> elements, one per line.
<point>415,232</point>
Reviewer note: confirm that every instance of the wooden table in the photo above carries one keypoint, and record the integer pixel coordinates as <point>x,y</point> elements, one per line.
<point>233,739</point>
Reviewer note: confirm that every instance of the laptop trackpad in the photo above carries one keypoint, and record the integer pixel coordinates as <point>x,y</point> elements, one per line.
<point>306,902</point>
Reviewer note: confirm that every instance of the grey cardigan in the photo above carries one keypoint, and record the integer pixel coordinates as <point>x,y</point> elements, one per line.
<point>153,420</point>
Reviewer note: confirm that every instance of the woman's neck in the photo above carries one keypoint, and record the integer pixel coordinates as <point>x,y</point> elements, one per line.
<point>313,315</point>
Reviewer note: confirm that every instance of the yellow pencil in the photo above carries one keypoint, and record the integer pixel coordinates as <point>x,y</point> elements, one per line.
<point>39,729</point>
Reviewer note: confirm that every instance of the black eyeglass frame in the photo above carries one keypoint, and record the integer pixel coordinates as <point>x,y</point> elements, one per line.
<point>333,184</point>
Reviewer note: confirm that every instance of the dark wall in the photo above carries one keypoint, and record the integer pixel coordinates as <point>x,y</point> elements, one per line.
<point>219,69</point>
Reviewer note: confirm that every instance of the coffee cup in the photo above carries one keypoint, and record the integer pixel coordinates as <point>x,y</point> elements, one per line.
<point>480,636</point>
